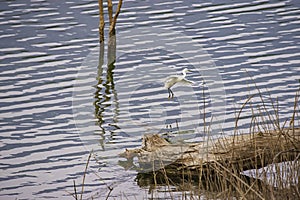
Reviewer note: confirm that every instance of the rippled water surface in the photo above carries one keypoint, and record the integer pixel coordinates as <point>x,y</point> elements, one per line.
<point>58,103</point>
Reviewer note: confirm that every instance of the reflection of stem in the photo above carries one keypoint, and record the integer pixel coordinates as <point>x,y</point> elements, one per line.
<point>103,96</point>
<point>98,97</point>
<point>111,86</point>
<point>101,59</point>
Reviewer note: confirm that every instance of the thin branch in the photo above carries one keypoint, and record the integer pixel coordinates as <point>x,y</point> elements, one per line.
<point>271,118</point>
<point>117,11</point>
<point>84,175</point>
<point>101,19</point>
<point>110,190</point>
<point>238,116</point>
<point>114,19</point>
<point>110,11</point>
<point>75,191</point>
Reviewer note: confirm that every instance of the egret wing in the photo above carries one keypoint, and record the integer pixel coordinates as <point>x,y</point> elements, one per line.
<point>186,82</point>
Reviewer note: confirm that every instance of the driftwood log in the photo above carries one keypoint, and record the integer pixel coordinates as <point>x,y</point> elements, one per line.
<point>216,164</point>
<point>232,154</point>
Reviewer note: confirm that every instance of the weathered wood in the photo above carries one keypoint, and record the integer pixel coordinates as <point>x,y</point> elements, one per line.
<point>236,153</point>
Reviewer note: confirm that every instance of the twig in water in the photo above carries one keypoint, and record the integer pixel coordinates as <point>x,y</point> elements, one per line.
<point>84,175</point>
<point>75,191</point>
<point>110,190</point>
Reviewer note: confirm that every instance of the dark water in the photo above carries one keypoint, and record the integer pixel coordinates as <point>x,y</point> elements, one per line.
<point>57,103</point>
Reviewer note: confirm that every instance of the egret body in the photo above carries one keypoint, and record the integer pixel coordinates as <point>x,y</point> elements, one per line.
<point>172,80</point>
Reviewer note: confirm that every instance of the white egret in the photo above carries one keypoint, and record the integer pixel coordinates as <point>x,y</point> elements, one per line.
<point>172,80</point>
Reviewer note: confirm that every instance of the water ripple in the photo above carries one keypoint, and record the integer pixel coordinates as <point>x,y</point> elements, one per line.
<point>43,45</point>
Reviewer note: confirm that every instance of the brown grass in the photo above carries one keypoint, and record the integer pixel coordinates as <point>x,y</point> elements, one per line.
<point>264,151</point>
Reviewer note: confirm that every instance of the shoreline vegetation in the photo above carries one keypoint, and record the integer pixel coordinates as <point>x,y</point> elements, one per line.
<point>218,169</point>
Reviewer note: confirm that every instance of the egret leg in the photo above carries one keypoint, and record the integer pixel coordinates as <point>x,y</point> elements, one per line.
<point>170,92</point>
